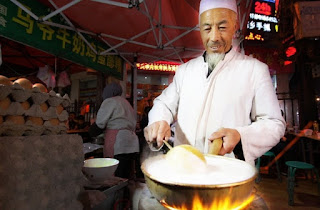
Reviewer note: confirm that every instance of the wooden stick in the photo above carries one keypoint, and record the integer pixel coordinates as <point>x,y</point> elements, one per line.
<point>167,144</point>
<point>215,146</point>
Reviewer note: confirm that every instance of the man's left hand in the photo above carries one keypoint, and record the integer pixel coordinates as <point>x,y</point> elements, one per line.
<point>231,138</point>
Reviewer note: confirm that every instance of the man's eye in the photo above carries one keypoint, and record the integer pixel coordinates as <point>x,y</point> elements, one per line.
<point>222,28</point>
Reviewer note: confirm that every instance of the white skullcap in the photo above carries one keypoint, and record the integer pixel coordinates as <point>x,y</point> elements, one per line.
<point>212,4</point>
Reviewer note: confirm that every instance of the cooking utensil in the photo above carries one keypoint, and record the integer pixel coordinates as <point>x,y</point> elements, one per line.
<point>176,193</point>
<point>154,147</point>
<point>167,144</point>
<point>215,146</point>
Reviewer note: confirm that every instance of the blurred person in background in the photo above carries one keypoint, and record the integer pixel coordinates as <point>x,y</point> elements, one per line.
<point>117,119</point>
<point>72,123</point>
<point>81,123</point>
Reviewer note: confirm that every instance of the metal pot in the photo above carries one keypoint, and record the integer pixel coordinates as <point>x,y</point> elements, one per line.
<point>183,194</point>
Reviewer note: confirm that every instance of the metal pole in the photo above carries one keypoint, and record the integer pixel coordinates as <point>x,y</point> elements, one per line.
<point>151,23</point>
<point>134,85</point>
<point>124,42</point>
<point>61,9</point>
<point>25,9</point>
<point>114,3</point>
<point>181,35</point>
<point>160,26</point>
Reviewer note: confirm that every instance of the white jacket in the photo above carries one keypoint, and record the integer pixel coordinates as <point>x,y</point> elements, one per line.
<point>117,113</point>
<point>238,94</point>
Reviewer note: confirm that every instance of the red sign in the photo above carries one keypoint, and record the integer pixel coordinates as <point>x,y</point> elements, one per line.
<point>158,66</point>
<point>291,51</point>
<point>262,8</point>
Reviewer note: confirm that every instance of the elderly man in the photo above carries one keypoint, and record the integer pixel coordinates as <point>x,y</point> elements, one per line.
<point>221,94</point>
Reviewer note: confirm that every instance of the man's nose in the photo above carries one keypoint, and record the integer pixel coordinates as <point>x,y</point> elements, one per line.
<point>215,35</point>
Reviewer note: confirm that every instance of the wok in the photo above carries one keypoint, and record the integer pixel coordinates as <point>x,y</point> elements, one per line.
<point>181,192</point>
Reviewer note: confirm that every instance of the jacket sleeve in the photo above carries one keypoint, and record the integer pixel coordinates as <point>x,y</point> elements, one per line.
<point>166,105</point>
<point>104,113</point>
<point>268,125</point>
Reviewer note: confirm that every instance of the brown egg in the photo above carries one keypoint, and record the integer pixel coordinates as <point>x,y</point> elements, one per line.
<point>18,120</point>
<point>25,105</point>
<point>5,81</point>
<point>25,83</point>
<point>35,120</point>
<point>59,109</point>
<point>5,103</point>
<point>44,107</point>
<point>41,87</point>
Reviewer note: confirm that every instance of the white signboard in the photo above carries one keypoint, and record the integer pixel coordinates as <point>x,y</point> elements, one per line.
<point>306,20</point>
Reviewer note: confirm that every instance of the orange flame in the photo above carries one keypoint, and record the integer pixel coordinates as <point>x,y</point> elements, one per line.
<point>220,204</point>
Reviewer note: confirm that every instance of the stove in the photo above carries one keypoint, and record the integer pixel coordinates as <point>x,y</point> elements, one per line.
<point>147,202</point>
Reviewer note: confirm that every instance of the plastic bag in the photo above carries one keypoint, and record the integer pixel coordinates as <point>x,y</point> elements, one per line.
<point>47,76</point>
<point>63,80</point>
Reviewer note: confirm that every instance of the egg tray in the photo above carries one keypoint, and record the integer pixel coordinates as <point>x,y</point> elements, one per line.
<point>4,91</point>
<point>32,103</point>
<point>19,94</point>
<point>29,129</point>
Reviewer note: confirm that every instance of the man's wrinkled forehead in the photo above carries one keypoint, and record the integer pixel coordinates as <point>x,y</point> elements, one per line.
<point>213,4</point>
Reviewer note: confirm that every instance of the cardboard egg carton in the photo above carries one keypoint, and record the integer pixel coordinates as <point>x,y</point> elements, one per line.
<point>35,104</point>
<point>4,91</point>
<point>19,94</point>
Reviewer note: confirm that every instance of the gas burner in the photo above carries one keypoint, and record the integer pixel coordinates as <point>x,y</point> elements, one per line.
<point>147,202</point>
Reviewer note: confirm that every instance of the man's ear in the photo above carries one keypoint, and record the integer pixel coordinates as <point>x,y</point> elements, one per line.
<point>236,25</point>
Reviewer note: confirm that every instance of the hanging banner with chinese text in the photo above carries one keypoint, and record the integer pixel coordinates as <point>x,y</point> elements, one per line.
<point>18,25</point>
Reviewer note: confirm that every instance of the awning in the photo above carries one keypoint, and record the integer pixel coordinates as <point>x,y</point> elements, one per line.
<point>135,30</point>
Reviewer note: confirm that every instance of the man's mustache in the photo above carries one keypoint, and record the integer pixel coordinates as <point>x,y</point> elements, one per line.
<point>215,44</point>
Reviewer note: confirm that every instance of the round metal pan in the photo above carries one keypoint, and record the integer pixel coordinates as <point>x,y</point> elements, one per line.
<point>180,193</point>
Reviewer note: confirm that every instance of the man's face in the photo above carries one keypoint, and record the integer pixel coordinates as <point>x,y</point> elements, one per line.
<point>217,27</point>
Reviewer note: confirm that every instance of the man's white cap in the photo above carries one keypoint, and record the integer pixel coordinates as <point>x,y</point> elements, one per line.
<point>213,4</point>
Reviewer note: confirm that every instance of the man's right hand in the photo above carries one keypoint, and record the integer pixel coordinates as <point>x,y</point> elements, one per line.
<point>157,131</point>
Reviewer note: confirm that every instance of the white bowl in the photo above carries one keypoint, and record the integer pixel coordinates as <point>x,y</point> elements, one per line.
<point>98,170</point>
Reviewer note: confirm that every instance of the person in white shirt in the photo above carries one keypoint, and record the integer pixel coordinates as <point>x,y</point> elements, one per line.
<point>222,94</point>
